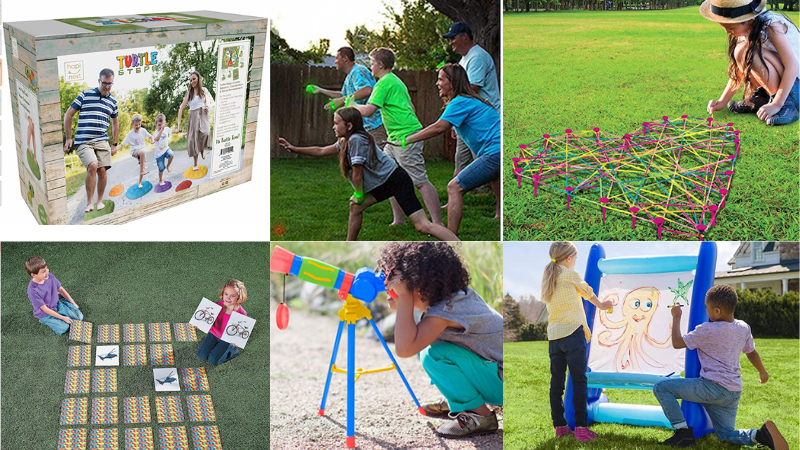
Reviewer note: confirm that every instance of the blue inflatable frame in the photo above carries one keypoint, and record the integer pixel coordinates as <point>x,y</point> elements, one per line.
<point>599,409</point>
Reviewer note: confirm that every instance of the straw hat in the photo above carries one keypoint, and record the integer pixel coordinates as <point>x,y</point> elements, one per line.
<point>732,11</point>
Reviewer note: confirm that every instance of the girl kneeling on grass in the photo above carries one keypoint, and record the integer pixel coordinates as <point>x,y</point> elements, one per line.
<point>478,124</point>
<point>375,176</point>
<point>568,333</point>
<point>764,50</point>
<point>214,349</point>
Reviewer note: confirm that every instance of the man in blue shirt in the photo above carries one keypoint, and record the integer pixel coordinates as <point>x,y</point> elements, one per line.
<point>358,85</point>
<point>97,109</point>
<point>482,79</point>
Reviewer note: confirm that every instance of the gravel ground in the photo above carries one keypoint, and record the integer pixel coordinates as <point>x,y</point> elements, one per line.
<point>386,416</point>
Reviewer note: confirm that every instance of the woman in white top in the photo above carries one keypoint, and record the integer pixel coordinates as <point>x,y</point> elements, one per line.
<point>197,135</point>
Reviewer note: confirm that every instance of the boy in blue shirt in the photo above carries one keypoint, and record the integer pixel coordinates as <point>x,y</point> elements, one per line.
<point>52,304</point>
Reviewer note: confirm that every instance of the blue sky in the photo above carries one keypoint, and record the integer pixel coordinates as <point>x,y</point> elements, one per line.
<point>523,262</point>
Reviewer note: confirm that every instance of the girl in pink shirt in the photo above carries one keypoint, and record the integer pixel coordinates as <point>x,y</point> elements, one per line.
<point>214,349</point>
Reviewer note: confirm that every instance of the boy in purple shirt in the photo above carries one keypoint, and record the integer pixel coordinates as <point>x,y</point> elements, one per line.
<point>718,343</point>
<point>52,304</point>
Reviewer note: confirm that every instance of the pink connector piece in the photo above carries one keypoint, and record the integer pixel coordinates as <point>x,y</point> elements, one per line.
<point>634,210</point>
<point>536,179</point>
<point>659,221</point>
<point>569,191</point>
<point>603,201</point>
<point>713,209</point>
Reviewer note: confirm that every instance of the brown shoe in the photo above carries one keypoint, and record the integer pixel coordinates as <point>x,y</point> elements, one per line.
<point>468,424</point>
<point>437,408</point>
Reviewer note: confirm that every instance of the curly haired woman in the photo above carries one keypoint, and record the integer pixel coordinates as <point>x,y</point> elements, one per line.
<point>459,339</point>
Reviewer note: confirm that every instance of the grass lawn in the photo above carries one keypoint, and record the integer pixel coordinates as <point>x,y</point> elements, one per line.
<point>615,70</point>
<point>310,202</point>
<point>117,283</point>
<point>527,406</point>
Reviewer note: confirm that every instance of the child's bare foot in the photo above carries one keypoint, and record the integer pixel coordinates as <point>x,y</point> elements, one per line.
<point>169,170</point>
<point>140,185</point>
<point>444,207</point>
<point>143,173</point>
<point>395,224</point>
<point>203,155</point>
<point>195,168</point>
<point>161,183</point>
<point>100,205</point>
<point>89,208</point>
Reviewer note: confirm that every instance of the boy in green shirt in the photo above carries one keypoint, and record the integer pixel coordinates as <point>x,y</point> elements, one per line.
<point>390,94</point>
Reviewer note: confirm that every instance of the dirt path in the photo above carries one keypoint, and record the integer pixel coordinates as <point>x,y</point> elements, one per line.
<point>386,416</point>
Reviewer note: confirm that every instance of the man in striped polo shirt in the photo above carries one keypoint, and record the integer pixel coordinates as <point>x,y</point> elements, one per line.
<point>97,109</point>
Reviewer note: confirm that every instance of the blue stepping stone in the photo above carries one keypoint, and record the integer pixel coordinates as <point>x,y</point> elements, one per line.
<point>135,191</point>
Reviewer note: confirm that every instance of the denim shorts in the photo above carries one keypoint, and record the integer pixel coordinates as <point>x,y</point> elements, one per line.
<point>483,170</point>
<point>161,160</point>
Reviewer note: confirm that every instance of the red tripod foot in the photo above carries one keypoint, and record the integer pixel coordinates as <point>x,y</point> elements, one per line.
<point>351,442</point>
<point>422,411</point>
<point>321,412</point>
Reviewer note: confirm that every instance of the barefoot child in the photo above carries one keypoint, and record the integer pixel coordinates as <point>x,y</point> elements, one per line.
<point>718,343</point>
<point>136,139</point>
<point>374,176</point>
<point>763,51</point>
<point>52,304</point>
<point>161,138</point>
<point>214,349</point>
<point>459,339</point>
<point>568,333</point>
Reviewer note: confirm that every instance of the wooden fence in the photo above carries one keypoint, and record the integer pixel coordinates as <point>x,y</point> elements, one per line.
<point>300,117</point>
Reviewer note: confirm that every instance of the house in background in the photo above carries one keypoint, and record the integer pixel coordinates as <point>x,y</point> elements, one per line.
<point>763,265</point>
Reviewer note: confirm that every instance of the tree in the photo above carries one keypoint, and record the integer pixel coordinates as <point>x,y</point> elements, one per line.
<point>68,93</point>
<point>482,16</point>
<point>280,52</point>
<point>512,319</point>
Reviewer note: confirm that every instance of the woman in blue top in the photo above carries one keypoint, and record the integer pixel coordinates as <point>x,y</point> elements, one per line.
<point>374,175</point>
<point>478,124</point>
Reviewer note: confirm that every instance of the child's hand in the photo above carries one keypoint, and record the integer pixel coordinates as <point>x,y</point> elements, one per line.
<point>676,311</point>
<point>715,105</point>
<point>392,303</point>
<point>285,144</point>
<point>314,88</point>
<point>606,305</point>
<point>763,376</point>
<point>66,319</point>
<point>768,110</point>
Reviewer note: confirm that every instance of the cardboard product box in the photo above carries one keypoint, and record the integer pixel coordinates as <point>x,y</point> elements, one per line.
<point>57,71</point>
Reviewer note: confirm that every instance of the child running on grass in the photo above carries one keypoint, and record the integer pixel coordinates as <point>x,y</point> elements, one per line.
<point>163,152</point>
<point>568,333</point>
<point>136,139</point>
<point>478,124</point>
<point>374,175</point>
<point>459,338</point>
<point>763,52</point>
<point>52,304</point>
<point>718,343</point>
<point>214,349</point>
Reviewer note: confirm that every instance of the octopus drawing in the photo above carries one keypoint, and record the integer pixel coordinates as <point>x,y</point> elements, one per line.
<point>638,308</point>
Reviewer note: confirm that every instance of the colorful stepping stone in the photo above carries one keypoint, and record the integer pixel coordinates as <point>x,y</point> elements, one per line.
<point>95,213</point>
<point>135,191</point>
<point>194,379</point>
<point>163,188</point>
<point>206,438</point>
<point>173,439</point>
<point>74,411</point>
<point>184,332</point>
<point>160,332</point>
<point>104,439</point>
<point>104,410</point>
<point>168,409</point>
<point>201,409</point>
<point>195,174</point>
<point>108,333</point>
<point>161,354</point>
<point>104,380</point>
<point>79,355</point>
<point>133,332</point>
<point>134,355</point>
<point>185,184</point>
<point>116,190</point>
<point>72,439</point>
<point>139,439</point>
<point>77,382</point>
<point>136,410</point>
<point>80,331</point>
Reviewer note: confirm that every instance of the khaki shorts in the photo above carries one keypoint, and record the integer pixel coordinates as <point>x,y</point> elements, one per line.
<point>380,136</point>
<point>464,155</point>
<point>99,152</point>
<point>410,159</point>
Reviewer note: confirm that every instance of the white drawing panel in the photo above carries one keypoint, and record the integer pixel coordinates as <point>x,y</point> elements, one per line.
<point>238,329</point>
<point>107,355</point>
<point>205,314</point>
<point>635,335</point>
<point>166,379</point>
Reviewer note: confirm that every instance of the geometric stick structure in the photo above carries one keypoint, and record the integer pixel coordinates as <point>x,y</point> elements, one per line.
<point>673,174</point>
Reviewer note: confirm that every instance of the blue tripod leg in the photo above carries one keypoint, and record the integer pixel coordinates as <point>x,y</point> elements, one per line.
<point>399,372</point>
<point>330,373</point>
<point>351,385</point>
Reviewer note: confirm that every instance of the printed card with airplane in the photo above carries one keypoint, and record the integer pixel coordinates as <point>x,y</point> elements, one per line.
<point>204,316</point>
<point>238,329</point>
<point>107,355</point>
<point>166,379</point>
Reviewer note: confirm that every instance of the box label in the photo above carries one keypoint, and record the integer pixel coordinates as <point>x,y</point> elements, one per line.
<point>232,68</point>
<point>30,133</point>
